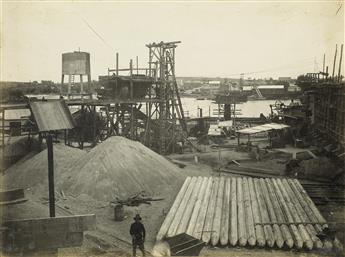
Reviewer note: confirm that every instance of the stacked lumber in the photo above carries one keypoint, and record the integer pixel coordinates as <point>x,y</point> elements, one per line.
<point>246,212</point>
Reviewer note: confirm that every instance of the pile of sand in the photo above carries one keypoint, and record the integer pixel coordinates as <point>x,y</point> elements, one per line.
<point>31,172</point>
<point>118,167</point>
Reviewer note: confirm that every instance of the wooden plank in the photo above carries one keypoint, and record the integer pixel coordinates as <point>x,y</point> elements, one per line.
<point>303,232</point>
<point>218,213</point>
<point>264,215</point>
<point>249,220</point>
<point>46,233</point>
<point>180,210</point>
<point>298,241</point>
<point>77,223</point>
<point>206,235</point>
<point>170,216</point>
<point>182,227</point>
<point>241,226</point>
<point>233,233</point>
<point>259,232</point>
<point>202,214</point>
<point>279,215</point>
<point>303,215</point>
<point>196,209</point>
<point>278,237</point>
<point>224,232</point>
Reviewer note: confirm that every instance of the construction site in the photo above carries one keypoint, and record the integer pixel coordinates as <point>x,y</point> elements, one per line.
<point>79,164</point>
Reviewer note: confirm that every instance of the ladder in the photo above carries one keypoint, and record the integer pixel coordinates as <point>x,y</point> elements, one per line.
<point>257,90</point>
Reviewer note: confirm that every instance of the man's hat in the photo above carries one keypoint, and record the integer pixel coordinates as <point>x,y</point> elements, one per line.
<point>137,217</point>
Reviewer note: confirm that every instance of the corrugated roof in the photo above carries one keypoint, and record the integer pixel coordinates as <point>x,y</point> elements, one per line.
<point>52,115</point>
<point>263,128</point>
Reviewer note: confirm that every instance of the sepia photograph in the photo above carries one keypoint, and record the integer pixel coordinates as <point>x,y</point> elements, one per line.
<point>172,128</point>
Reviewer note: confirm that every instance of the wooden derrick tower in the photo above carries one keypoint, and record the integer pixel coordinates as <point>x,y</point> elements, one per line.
<point>172,125</point>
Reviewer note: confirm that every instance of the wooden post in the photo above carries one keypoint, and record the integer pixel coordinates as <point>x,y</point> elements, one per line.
<point>81,85</point>
<point>323,65</point>
<point>51,175</point>
<point>3,140</point>
<point>62,80</point>
<point>117,64</point>
<point>335,59</point>
<point>341,58</point>
<point>131,78</point>
<point>94,142</point>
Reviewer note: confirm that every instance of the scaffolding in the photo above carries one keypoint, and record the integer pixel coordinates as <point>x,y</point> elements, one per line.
<point>142,104</point>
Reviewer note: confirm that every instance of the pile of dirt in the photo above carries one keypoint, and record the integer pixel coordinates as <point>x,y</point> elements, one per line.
<point>118,167</point>
<point>31,172</point>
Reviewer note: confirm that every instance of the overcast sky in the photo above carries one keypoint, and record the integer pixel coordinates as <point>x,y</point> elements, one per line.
<point>221,39</point>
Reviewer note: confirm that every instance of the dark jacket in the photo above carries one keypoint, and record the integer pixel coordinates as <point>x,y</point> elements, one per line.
<point>138,231</point>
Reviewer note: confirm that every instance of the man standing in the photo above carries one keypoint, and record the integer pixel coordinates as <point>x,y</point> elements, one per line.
<point>138,233</point>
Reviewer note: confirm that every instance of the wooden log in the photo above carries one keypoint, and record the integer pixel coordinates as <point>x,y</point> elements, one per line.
<point>303,215</point>
<point>303,232</point>
<point>196,209</point>
<point>202,213</point>
<point>233,233</point>
<point>249,220</point>
<point>278,236</point>
<point>315,211</point>
<point>259,231</point>
<point>180,211</point>
<point>224,231</point>
<point>310,202</point>
<point>264,214</point>
<point>279,215</point>
<point>298,241</point>
<point>182,227</point>
<point>170,216</point>
<point>206,234</point>
<point>218,213</point>
<point>242,233</point>
<point>305,205</point>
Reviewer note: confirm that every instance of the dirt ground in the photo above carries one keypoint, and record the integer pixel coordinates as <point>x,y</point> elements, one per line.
<point>112,238</point>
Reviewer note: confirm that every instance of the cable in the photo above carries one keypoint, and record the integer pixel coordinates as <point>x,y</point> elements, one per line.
<point>97,34</point>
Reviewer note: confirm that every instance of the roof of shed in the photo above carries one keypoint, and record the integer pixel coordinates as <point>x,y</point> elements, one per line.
<point>263,128</point>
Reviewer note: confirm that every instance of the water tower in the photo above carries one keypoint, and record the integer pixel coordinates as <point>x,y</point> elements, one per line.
<point>75,64</point>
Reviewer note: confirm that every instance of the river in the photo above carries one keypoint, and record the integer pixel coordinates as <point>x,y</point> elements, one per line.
<point>210,108</point>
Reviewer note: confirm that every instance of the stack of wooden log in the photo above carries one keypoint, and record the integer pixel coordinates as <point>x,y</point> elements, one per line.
<point>246,212</point>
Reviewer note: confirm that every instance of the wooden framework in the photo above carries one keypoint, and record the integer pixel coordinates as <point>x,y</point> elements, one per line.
<point>155,117</point>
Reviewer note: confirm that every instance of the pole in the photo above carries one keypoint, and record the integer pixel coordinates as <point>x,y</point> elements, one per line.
<point>335,59</point>
<point>341,58</point>
<point>117,64</point>
<point>323,65</point>
<point>51,176</point>
<point>137,60</point>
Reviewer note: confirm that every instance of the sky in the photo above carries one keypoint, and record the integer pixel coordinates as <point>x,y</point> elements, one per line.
<point>218,38</point>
